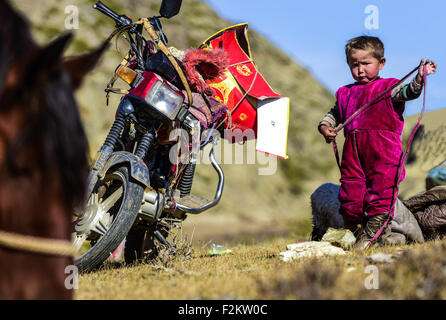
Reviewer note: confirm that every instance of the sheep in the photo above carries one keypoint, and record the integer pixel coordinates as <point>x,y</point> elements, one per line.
<point>325,214</point>
<point>325,210</point>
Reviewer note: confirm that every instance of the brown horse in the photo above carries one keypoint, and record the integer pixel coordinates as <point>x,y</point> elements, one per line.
<point>43,155</point>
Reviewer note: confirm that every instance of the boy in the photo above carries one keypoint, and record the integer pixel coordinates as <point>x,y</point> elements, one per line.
<point>372,148</point>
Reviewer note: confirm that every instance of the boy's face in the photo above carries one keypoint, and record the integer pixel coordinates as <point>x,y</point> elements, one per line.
<point>364,66</point>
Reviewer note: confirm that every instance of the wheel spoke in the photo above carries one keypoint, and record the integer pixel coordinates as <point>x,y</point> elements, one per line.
<point>103,224</point>
<point>77,243</point>
<point>101,228</point>
<point>108,203</point>
<point>93,199</point>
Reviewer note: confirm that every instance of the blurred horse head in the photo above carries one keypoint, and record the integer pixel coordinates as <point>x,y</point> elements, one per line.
<point>43,154</point>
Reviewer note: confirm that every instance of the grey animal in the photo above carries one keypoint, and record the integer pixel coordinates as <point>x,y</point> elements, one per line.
<point>325,214</point>
<point>325,210</point>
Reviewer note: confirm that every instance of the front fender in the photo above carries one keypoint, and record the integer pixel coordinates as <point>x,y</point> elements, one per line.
<point>138,169</point>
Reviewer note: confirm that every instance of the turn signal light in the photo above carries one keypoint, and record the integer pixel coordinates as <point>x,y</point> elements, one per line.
<point>126,74</point>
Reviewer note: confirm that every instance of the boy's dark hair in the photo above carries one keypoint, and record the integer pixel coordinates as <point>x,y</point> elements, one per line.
<point>373,44</point>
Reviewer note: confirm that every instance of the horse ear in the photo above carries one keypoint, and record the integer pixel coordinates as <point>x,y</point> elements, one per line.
<point>36,62</point>
<point>51,54</point>
<point>78,66</point>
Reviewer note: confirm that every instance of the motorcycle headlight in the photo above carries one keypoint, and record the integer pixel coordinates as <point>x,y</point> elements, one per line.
<point>164,99</point>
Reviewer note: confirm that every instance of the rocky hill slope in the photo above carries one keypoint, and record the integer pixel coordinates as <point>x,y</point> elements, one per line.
<point>427,151</point>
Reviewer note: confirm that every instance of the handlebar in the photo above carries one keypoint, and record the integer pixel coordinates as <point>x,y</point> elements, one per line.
<point>121,20</point>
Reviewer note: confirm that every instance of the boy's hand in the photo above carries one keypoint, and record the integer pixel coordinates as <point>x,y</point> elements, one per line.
<point>328,133</point>
<point>431,67</point>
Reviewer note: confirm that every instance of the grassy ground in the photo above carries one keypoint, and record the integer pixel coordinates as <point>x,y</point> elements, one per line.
<point>254,271</point>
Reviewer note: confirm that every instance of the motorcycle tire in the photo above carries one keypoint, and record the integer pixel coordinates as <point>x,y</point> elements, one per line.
<point>123,220</point>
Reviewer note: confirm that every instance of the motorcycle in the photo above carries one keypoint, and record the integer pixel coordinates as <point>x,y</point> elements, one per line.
<point>134,190</point>
<point>139,187</point>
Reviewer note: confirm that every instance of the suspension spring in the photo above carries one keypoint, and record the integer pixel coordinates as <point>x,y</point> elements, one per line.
<point>187,179</point>
<point>144,145</point>
<point>115,131</point>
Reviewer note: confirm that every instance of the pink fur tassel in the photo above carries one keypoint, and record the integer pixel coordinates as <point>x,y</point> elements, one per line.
<point>201,65</point>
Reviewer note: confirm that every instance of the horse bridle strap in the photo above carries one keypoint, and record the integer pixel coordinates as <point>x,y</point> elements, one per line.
<point>39,245</point>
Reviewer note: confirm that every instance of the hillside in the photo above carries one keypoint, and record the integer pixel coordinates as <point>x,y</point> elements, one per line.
<point>428,151</point>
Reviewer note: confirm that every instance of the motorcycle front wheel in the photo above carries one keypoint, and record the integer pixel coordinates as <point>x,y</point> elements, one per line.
<point>111,210</point>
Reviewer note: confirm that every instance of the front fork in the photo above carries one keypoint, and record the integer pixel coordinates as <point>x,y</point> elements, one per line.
<point>107,149</point>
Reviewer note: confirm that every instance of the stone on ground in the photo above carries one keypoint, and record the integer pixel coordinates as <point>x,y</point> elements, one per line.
<point>310,249</point>
<point>343,238</point>
<point>381,258</point>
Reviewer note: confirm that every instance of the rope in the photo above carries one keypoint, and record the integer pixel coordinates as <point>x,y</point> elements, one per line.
<point>39,245</point>
<point>381,95</point>
<point>152,33</point>
<point>239,63</point>
<point>403,160</point>
<point>363,108</point>
<point>242,98</point>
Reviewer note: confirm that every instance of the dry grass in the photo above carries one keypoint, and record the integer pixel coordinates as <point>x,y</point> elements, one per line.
<point>254,271</point>
<point>418,273</point>
<point>200,277</point>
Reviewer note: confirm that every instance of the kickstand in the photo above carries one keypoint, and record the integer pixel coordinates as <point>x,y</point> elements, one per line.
<point>163,240</point>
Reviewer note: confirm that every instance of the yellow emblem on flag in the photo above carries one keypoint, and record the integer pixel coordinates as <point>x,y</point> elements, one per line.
<point>244,70</point>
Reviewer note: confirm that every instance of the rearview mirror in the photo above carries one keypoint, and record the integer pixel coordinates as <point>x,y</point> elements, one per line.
<point>170,8</point>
